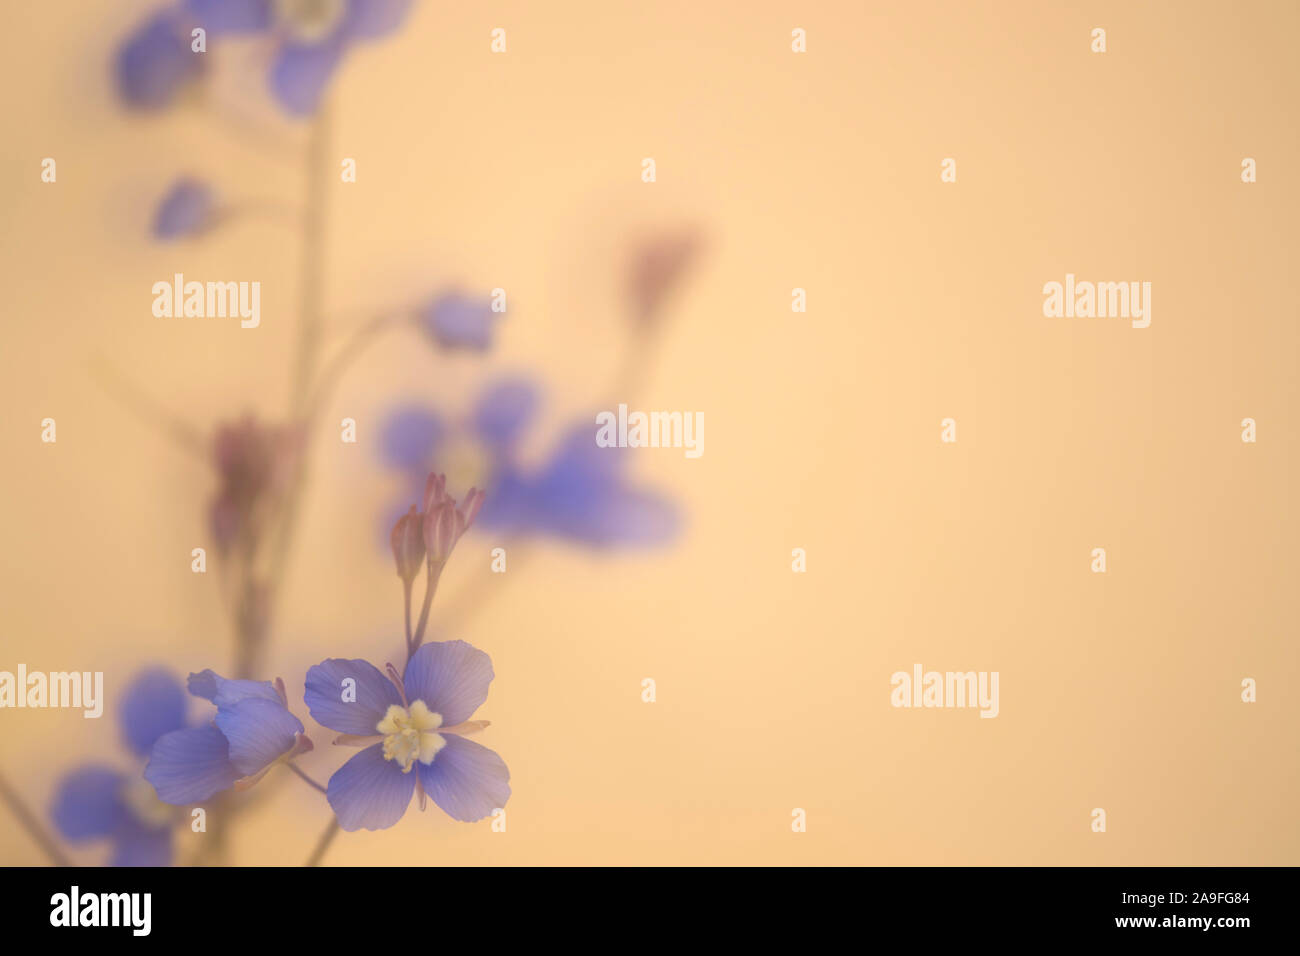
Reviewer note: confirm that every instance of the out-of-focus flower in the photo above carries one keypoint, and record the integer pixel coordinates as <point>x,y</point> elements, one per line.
<point>579,493</point>
<point>657,267</point>
<point>251,732</point>
<point>187,210</point>
<point>156,61</point>
<point>255,464</point>
<point>311,37</point>
<point>457,321</point>
<point>414,734</point>
<point>98,802</point>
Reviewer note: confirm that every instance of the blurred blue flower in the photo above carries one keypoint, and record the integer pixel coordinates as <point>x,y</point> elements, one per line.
<point>418,726</point>
<point>311,37</point>
<point>156,61</point>
<point>456,321</point>
<point>98,802</point>
<point>186,210</point>
<point>252,731</point>
<point>579,493</point>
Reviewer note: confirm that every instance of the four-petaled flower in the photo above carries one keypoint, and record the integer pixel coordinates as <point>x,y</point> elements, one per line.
<point>251,732</point>
<point>414,733</point>
<point>99,802</point>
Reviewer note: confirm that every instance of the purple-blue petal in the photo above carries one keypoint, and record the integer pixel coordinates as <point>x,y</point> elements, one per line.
<point>325,693</point>
<point>368,19</point>
<point>153,704</point>
<point>186,210</point>
<point>224,693</point>
<point>155,62</point>
<point>232,16</point>
<point>451,677</point>
<point>88,804</point>
<point>301,72</point>
<point>466,779</point>
<point>456,321</point>
<point>258,732</point>
<point>408,437</point>
<point>504,410</point>
<point>581,495</point>
<point>369,792</point>
<point>137,845</point>
<point>187,766</point>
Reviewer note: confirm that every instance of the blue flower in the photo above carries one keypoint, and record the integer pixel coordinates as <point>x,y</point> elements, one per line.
<point>419,725</point>
<point>252,731</point>
<point>99,802</point>
<point>456,321</point>
<point>311,37</point>
<point>156,61</point>
<point>186,210</point>
<point>579,493</point>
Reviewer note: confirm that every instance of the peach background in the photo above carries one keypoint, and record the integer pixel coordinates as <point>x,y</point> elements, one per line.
<point>821,171</point>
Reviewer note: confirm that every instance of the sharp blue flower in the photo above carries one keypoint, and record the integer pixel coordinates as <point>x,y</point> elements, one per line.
<point>97,801</point>
<point>251,732</point>
<point>579,493</point>
<point>414,731</point>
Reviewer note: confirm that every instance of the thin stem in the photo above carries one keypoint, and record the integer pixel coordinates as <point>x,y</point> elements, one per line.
<point>430,589</point>
<point>406,587</point>
<point>308,780</point>
<point>144,407</point>
<point>31,824</point>
<point>313,258</point>
<point>354,346</point>
<point>323,843</point>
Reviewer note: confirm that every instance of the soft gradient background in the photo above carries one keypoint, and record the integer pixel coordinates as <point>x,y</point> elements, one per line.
<point>819,170</point>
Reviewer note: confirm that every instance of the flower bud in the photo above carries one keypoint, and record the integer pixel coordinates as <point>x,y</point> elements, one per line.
<point>408,545</point>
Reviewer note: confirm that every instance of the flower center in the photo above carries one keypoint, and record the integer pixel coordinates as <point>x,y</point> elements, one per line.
<point>466,462</point>
<point>142,802</point>
<point>309,20</point>
<point>409,734</point>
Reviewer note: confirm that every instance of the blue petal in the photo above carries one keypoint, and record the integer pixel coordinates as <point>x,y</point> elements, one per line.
<point>188,766</point>
<point>142,846</point>
<point>451,677</point>
<point>225,693</point>
<point>186,210</point>
<point>466,779</point>
<point>153,704</point>
<point>368,19</point>
<point>301,71</point>
<point>375,693</point>
<point>408,437</point>
<point>155,61</point>
<point>87,803</point>
<point>459,321</point>
<point>504,410</point>
<point>581,496</point>
<point>232,16</point>
<point>258,732</point>
<point>369,792</point>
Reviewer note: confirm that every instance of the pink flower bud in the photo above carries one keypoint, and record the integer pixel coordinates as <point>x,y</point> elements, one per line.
<point>408,545</point>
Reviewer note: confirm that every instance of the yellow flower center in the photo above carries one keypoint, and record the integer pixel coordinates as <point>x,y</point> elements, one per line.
<point>409,734</point>
<point>309,19</point>
<point>466,462</point>
<point>144,805</point>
